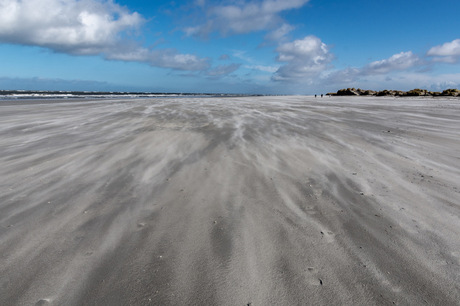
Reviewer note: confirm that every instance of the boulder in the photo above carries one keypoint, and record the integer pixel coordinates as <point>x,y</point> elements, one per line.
<point>393,93</point>
<point>417,92</point>
<point>355,92</point>
<point>386,92</point>
<point>451,92</point>
<point>369,93</point>
<point>348,92</point>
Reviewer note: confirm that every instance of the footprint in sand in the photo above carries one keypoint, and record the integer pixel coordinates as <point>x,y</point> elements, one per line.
<point>456,256</point>
<point>311,210</point>
<point>328,235</point>
<point>312,277</point>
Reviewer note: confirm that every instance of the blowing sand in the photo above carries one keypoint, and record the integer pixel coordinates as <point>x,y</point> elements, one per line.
<point>230,201</point>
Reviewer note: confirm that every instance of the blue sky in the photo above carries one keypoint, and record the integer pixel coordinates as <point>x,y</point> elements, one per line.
<point>264,46</point>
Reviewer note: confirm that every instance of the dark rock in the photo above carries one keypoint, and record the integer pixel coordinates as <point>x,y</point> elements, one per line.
<point>386,92</point>
<point>369,93</point>
<point>417,92</point>
<point>451,92</point>
<point>348,92</point>
<point>353,92</point>
<point>398,93</point>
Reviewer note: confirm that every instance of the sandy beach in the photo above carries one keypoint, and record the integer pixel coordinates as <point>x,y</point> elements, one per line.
<point>286,200</point>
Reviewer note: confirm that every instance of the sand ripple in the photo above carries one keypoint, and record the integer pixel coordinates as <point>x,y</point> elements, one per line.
<point>230,201</point>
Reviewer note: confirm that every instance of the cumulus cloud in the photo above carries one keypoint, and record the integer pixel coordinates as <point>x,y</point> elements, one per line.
<point>448,52</point>
<point>85,27</point>
<point>79,27</point>
<point>400,61</point>
<point>402,70</point>
<point>304,58</point>
<point>245,17</point>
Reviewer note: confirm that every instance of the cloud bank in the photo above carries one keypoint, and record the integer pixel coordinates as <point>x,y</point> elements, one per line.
<point>397,62</point>
<point>36,83</point>
<point>86,27</point>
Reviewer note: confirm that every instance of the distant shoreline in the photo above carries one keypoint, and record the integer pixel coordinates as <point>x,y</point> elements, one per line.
<point>55,94</point>
<point>396,93</point>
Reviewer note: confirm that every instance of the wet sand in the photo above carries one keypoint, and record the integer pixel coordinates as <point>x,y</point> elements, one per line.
<point>230,201</point>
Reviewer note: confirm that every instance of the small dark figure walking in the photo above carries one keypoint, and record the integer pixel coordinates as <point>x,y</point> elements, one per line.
<point>315,96</point>
<point>321,95</point>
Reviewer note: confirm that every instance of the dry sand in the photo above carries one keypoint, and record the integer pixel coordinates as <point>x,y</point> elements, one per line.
<point>230,201</point>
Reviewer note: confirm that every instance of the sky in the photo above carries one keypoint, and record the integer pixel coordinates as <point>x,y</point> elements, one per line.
<point>239,46</point>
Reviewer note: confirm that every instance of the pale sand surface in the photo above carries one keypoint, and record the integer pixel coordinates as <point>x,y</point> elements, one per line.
<point>230,201</point>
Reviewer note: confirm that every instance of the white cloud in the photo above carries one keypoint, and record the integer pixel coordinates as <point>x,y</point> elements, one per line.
<point>241,54</point>
<point>448,52</point>
<point>305,58</point>
<point>397,62</point>
<point>85,27</point>
<point>222,70</point>
<point>403,80</point>
<point>404,70</point>
<point>78,27</point>
<point>400,61</point>
<point>245,17</point>
<point>447,49</point>
<point>344,76</point>
<point>270,69</point>
<point>280,32</point>
<point>165,58</point>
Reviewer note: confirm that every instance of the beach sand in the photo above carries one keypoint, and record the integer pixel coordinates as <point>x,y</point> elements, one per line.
<point>230,201</point>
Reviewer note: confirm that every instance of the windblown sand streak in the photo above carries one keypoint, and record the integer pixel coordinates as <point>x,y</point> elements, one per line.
<point>230,201</point>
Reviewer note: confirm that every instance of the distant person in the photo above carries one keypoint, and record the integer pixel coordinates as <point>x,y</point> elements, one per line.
<point>321,95</point>
<point>315,96</point>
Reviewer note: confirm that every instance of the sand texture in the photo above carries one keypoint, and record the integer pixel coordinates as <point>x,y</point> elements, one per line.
<point>230,201</point>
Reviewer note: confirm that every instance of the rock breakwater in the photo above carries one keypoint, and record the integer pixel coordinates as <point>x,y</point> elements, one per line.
<point>396,93</point>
